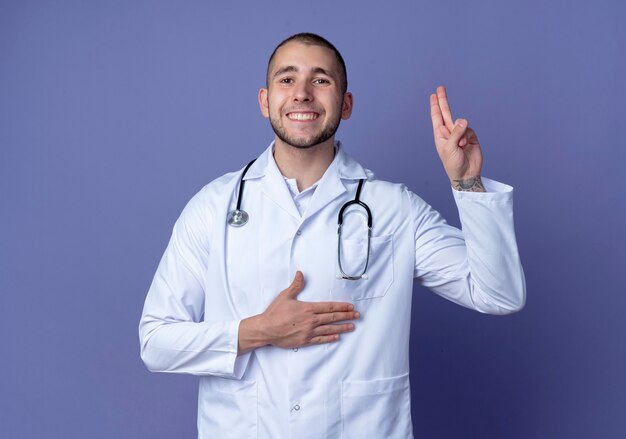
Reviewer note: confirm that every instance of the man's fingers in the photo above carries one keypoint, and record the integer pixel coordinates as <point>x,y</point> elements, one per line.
<point>444,133</point>
<point>471,136</point>
<point>296,286</point>
<point>442,98</point>
<point>468,138</point>
<point>330,307</point>
<point>460,127</point>
<point>435,112</point>
<point>333,329</point>
<point>324,339</point>
<point>338,317</point>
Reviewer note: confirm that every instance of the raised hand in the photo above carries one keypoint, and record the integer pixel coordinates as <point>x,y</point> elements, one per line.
<point>290,323</point>
<point>457,145</point>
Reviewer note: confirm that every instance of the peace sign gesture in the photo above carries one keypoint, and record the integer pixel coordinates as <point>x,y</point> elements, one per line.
<point>457,145</point>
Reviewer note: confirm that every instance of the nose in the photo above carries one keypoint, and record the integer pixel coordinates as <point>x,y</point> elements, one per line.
<point>302,92</point>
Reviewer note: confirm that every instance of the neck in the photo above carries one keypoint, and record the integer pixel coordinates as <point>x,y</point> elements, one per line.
<point>306,165</point>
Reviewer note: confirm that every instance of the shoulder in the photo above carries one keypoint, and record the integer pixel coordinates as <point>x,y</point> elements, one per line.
<point>387,188</point>
<point>396,197</point>
<point>217,187</point>
<point>208,199</point>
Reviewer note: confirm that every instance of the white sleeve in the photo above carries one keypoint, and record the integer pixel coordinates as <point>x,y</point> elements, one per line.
<point>479,267</point>
<point>173,335</point>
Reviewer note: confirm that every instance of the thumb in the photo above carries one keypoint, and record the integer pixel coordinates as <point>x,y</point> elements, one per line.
<point>460,127</point>
<point>296,286</point>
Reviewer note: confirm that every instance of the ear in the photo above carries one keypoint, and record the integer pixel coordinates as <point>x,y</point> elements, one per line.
<point>263,103</point>
<point>346,109</point>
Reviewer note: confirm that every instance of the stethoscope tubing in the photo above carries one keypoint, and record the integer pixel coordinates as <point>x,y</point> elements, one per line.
<point>239,218</point>
<point>241,184</point>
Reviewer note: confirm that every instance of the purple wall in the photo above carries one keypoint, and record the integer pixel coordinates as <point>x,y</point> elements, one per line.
<point>113,114</point>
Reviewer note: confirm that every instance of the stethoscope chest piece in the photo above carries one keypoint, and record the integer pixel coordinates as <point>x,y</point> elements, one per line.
<point>238,218</point>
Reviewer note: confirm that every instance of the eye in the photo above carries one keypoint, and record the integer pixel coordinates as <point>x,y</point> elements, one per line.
<point>285,81</point>
<point>321,81</point>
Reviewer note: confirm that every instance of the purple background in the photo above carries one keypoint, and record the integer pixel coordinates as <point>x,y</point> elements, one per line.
<point>113,114</point>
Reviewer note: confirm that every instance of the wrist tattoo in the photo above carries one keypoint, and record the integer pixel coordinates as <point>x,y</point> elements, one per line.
<point>472,184</point>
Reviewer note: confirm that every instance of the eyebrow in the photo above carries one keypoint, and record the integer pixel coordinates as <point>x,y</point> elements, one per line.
<point>289,69</point>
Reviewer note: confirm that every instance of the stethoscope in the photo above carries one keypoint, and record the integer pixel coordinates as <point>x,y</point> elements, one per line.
<point>239,218</point>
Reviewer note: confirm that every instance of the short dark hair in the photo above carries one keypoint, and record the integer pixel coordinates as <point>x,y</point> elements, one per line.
<point>311,40</point>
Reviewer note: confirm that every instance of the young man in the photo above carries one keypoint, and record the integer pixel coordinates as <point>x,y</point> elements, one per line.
<point>295,330</point>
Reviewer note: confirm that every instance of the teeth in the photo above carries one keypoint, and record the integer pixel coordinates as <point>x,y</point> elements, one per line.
<point>302,116</point>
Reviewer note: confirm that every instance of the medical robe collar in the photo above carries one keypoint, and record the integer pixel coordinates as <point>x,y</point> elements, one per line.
<point>330,186</point>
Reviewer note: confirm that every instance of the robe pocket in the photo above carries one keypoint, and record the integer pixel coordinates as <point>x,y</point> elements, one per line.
<point>379,275</point>
<point>229,408</point>
<point>377,408</point>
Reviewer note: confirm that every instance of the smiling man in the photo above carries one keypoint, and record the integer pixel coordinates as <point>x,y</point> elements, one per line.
<point>291,96</point>
<point>281,357</point>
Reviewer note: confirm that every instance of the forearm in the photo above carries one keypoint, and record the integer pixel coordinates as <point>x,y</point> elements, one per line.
<point>197,348</point>
<point>478,267</point>
<point>495,268</point>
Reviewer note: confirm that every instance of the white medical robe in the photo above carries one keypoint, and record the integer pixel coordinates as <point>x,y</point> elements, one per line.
<point>213,275</point>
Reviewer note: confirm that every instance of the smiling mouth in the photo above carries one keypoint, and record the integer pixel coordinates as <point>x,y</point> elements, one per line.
<point>303,116</point>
